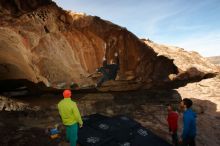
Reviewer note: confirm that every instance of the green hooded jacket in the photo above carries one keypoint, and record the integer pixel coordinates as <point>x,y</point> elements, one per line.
<point>69,112</point>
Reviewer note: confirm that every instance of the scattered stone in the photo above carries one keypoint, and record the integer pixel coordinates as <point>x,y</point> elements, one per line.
<point>7,104</point>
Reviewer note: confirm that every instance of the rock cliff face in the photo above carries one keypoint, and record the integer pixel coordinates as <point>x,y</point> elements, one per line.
<point>189,64</point>
<point>42,42</point>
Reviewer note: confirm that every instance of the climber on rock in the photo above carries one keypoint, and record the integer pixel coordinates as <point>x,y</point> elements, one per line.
<point>109,71</point>
<point>113,68</point>
<point>105,73</point>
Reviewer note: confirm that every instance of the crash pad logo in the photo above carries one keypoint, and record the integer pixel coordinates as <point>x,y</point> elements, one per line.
<point>126,144</point>
<point>86,118</point>
<point>103,126</point>
<point>142,132</point>
<point>125,118</point>
<point>93,140</point>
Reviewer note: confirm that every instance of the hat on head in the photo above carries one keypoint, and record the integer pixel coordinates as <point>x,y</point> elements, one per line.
<point>67,93</point>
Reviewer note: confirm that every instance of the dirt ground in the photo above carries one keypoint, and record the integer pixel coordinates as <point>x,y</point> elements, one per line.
<point>29,127</point>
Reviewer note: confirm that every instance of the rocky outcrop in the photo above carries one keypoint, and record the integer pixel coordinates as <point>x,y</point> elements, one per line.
<point>7,104</point>
<point>207,90</point>
<point>42,42</point>
<point>189,64</point>
<point>215,60</point>
<point>19,7</point>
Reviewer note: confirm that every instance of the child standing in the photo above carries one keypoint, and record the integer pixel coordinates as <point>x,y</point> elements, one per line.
<point>172,120</point>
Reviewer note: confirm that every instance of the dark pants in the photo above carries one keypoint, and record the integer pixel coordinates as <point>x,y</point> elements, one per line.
<point>189,142</point>
<point>102,80</point>
<point>105,76</point>
<point>175,139</point>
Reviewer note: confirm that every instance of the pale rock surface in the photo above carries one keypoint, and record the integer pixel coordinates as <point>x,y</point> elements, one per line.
<point>7,104</point>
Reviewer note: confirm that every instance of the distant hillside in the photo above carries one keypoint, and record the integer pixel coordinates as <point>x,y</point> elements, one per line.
<point>184,60</point>
<point>215,60</point>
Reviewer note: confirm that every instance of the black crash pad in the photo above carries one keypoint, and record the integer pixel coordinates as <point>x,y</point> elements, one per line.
<point>91,137</point>
<point>126,121</point>
<point>114,128</point>
<point>120,130</point>
<point>143,137</point>
<point>94,118</point>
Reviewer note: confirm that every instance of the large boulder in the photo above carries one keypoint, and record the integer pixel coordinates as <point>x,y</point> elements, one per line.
<point>44,43</point>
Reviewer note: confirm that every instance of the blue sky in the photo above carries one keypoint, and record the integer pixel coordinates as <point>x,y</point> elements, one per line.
<point>191,24</point>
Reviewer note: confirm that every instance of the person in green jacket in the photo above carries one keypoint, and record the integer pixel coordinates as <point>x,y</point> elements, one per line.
<point>70,116</point>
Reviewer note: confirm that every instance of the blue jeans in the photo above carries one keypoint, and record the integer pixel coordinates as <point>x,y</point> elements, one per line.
<point>72,134</point>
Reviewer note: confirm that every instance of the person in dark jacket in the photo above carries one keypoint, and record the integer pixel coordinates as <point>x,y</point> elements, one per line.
<point>172,120</point>
<point>189,124</point>
<point>105,73</point>
<point>109,71</point>
<point>113,68</point>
